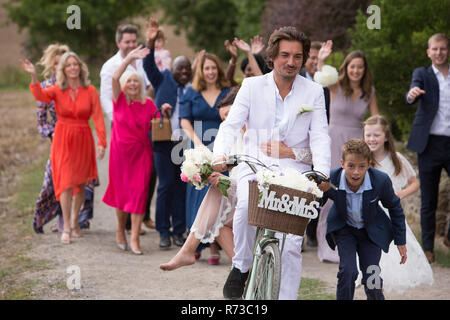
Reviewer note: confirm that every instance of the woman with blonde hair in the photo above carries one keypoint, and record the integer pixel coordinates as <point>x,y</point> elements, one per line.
<point>73,150</point>
<point>199,106</point>
<point>47,207</point>
<point>131,154</point>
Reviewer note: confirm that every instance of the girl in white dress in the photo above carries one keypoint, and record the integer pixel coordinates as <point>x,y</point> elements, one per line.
<point>416,271</point>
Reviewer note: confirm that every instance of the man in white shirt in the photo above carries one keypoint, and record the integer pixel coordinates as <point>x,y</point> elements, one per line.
<point>430,133</point>
<point>126,40</point>
<point>269,106</point>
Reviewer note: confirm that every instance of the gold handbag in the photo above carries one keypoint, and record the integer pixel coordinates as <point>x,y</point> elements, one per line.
<point>161,128</point>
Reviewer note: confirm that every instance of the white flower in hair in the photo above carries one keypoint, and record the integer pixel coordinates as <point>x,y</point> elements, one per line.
<point>327,76</point>
<point>305,108</point>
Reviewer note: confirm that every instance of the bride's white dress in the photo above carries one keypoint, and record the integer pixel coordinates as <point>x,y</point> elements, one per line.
<point>416,270</point>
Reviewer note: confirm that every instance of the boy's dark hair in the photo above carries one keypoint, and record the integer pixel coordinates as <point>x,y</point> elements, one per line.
<point>358,147</point>
<point>290,34</point>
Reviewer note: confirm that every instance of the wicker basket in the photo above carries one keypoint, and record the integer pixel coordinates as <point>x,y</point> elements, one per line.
<point>279,221</point>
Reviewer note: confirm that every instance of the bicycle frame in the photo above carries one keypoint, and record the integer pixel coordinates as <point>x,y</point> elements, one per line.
<point>268,236</point>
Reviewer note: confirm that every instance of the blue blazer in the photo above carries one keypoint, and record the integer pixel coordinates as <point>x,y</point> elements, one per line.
<point>380,229</point>
<point>425,79</point>
<point>164,85</point>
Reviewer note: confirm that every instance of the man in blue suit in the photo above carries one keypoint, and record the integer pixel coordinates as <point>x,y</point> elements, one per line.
<point>357,224</point>
<point>169,87</point>
<point>430,133</point>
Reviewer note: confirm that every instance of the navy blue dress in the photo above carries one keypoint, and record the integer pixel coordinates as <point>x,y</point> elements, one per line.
<point>206,121</point>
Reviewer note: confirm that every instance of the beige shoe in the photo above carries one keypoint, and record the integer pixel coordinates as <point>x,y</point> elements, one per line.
<point>149,224</point>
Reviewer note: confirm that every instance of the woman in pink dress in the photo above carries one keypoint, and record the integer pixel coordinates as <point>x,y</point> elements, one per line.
<point>131,154</point>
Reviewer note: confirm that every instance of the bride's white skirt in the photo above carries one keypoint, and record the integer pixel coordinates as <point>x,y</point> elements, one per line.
<point>416,271</point>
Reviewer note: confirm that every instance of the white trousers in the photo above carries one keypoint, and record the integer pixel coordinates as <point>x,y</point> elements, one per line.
<point>244,239</point>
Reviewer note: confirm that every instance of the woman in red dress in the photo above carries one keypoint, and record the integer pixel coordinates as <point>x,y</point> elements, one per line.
<point>73,150</point>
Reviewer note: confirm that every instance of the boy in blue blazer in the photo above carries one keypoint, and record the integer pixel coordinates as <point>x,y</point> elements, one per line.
<point>357,224</point>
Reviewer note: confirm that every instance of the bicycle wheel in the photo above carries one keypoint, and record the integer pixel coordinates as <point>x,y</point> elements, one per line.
<point>268,273</point>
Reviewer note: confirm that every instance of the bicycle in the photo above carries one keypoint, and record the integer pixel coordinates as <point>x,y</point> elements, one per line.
<point>264,277</point>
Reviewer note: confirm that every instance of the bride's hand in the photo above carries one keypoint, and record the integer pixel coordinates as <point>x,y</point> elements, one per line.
<point>214,178</point>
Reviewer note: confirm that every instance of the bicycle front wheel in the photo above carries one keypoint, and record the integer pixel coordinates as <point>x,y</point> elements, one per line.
<point>268,273</point>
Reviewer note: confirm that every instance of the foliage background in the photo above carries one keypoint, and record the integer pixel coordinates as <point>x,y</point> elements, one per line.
<point>393,51</point>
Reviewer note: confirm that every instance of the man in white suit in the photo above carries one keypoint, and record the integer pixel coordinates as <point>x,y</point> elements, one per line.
<point>269,107</point>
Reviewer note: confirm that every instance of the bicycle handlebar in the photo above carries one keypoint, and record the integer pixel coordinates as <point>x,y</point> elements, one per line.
<point>235,159</point>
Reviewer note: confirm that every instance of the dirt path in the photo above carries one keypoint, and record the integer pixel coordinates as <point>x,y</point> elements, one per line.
<point>108,273</point>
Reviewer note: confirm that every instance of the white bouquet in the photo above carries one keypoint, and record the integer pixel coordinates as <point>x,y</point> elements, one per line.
<point>327,76</point>
<point>287,177</point>
<point>196,169</point>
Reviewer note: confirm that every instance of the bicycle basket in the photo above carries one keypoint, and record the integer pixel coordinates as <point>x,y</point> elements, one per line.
<point>280,208</point>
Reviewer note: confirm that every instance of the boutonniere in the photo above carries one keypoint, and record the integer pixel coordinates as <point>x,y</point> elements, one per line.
<point>303,108</point>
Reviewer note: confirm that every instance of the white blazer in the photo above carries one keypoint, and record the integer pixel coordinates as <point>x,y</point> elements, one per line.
<point>255,106</point>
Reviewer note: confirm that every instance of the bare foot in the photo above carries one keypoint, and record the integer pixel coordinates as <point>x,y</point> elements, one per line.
<point>181,259</point>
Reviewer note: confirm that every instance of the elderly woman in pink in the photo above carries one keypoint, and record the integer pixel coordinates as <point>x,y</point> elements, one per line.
<point>131,155</point>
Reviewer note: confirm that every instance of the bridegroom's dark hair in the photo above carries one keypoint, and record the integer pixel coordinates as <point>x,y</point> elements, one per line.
<point>290,34</point>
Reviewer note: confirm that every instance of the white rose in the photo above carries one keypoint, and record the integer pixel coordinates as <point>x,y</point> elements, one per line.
<point>305,108</point>
<point>189,169</point>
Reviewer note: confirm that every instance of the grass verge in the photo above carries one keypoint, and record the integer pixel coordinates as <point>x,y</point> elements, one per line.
<point>18,235</point>
<point>314,289</point>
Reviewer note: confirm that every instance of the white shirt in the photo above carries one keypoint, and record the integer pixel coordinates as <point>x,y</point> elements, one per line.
<point>441,122</point>
<point>106,73</point>
<point>308,76</point>
<point>281,119</point>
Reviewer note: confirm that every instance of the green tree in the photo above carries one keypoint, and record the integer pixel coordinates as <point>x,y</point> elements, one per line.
<point>250,14</point>
<point>396,49</point>
<point>207,23</point>
<point>46,22</point>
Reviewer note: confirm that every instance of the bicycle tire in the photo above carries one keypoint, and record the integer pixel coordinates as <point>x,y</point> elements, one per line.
<point>268,273</point>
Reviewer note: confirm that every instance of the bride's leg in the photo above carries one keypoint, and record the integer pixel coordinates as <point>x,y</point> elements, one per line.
<point>225,239</point>
<point>185,256</point>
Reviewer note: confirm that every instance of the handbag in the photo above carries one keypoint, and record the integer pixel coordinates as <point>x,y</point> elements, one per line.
<point>161,128</point>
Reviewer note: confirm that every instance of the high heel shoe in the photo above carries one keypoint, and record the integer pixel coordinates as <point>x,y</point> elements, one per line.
<point>136,252</point>
<point>214,259</point>
<point>122,246</point>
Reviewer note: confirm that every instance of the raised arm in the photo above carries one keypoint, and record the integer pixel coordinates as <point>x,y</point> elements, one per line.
<point>151,69</point>
<point>324,53</point>
<point>241,44</point>
<point>232,50</point>
<point>138,53</point>
<point>257,44</point>
<point>43,95</point>
<point>29,67</point>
